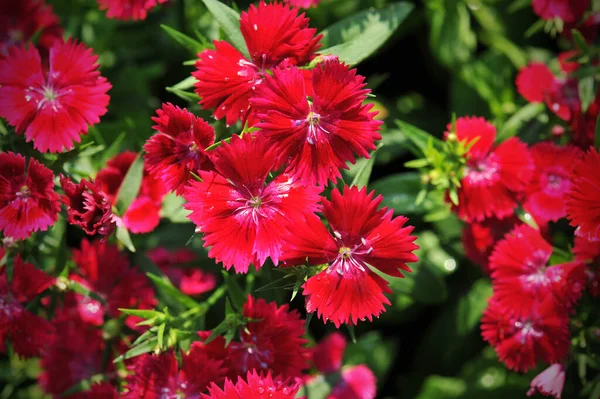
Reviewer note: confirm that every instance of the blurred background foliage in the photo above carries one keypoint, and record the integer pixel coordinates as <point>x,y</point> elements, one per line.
<point>447,57</point>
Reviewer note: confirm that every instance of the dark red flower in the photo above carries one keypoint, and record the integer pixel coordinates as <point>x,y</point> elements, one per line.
<point>583,124</point>
<point>75,356</point>
<point>522,340</point>
<point>521,275</point>
<point>88,207</point>
<point>243,217</point>
<point>534,81</point>
<point>21,20</point>
<point>589,252</point>
<point>549,382</point>
<point>272,342</point>
<point>362,236</point>
<point>128,9</point>
<point>28,333</point>
<point>274,33</point>
<point>545,194</point>
<point>494,176</point>
<point>28,202</point>
<point>583,199</point>
<point>157,377</point>
<point>318,124</point>
<point>52,107</point>
<point>353,382</point>
<point>255,386</point>
<point>568,66</point>
<point>106,272</point>
<point>143,215</point>
<point>567,10</point>
<point>479,239</point>
<point>178,147</point>
<point>190,280</point>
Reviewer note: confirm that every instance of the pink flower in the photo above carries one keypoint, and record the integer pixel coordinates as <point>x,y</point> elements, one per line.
<point>567,10</point>
<point>53,106</point>
<point>128,9</point>
<point>549,382</point>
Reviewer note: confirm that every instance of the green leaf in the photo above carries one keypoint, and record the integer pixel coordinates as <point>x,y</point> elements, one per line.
<point>173,209</point>
<point>511,127</point>
<point>229,20</point>
<point>123,236</point>
<point>586,92</point>
<point>451,37</point>
<point>185,84</point>
<point>84,385</point>
<point>400,192</point>
<point>419,138</point>
<point>186,95</point>
<point>355,38</point>
<point>191,44</point>
<point>580,42</point>
<point>144,347</point>
<point>438,387</point>
<point>361,178</point>
<point>236,294</point>
<point>112,150</point>
<point>82,290</point>
<point>131,185</point>
<point>170,293</point>
<point>144,314</point>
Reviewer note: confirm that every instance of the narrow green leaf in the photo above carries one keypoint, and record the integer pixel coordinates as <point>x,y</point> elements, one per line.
<point>364,173</point>
<point>112,150</point>
<point>229,20</point>
<point>144,314</point>
<point>144,347</point>
<point>185,84</point>
<point>419,138</point>
<point>580,42</point>
<point>236,294</point>
<point>586,92</point>
<point>400,192</point>
<point>355,38</point>
<point>170,293</point>
<point>186,95</point>
<point>191,44</point>
<point>131,185</point>
<point>351,332</point>
<point>123,236</point>
<point>161,335</point>
<point>511,127</point>
<point>82,290</point>
<point>84,385</point>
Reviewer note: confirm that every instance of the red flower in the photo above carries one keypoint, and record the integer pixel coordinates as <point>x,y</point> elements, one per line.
<point>54,107</point>
<point>20,20</point>
<point>545,194</point>
<point>128,9</point>
<point>589,252</point>
<point>568,66</point>
<point>317,124</point>
<point>521,340</point>
<point>549,382</point>
<point>143,214</point>
<point>274,33</point>
<point>106,271</point>
<point>583,199</point>
<point>354,382</point>
<point>521,275</point>
<point>157,377</point>
<point>347,290</point>
<point>74,357</point>
<point>273,342</point>
<point>567,10</point>
<point>190,280</point>
<point>534,81</point>
<point>28,202</point>
<point>88,207</point>
<point>479,239</point>
<point>241,215</point>
<point>28,333</point>
<point>303,3</point>
<point>494,175</point>
<point>254,387</point>
<point>178,147</point>
<point>102,391</point>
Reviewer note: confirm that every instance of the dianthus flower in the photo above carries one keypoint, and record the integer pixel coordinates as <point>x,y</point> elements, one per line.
<point>494,176</point>
<point>88,207</point>
<point>177,149</point>
<point>28,333</point>
<point>20,20</point>
<point>28,202</point>
<point>273,341</point>
<point>479,239</point>
<point>567,10</point>
<point>155,377</point>
<point>549,382</point>
<point>242,216</point>
<point>143,215</point>
<point>128,9</point>
<point>521,275</point>
<point>545,194</point>
<point>274,33</point>
<point>347,290</point>
<point>355,382</point>
<point>176,265</point>
<point>521,340</point>
<point>53,107</point>
<point>303,3</point>
<point>254,386</point>
<point>583,198</point>
<point>317,124</point>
